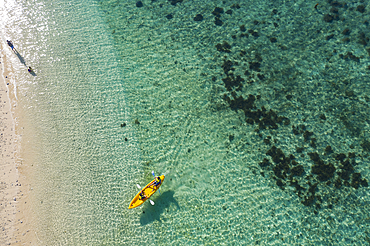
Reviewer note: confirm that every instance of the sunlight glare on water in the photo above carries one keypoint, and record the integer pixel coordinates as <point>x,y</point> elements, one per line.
<point>70,116</point>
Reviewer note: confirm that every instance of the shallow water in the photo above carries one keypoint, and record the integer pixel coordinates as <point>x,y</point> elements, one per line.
<point>174,83</point>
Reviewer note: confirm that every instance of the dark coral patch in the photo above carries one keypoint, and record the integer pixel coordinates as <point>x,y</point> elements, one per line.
<point>298,188</point>
<point>356,179</point>
<point>280,183</point>
<point>307,135</point>
<point>346,169</point>
<point>282,167</point>
<point>362,39</point>
<point>328,149</point>
<point>340,157</point>
<point>218,21</point>
<point>298,129</point>
<point>323,171</point>
<point>198,17</point>
<point>218,11</point>
<point>310,199</point>
<point>346,31</point>
<point>241,103</point>
<point>336,4</point>
<point>227,66</point>
<point>328,18</point>
<point>350,56</point>
<point>361,8</point>
<point>265,119</point>
<point>255,66</point>
<point>322,116</point>
<point>276,154</point>
<point>224,47</point>
<point>269,120</point>
<point>231,82</point>
<point>297,170</point>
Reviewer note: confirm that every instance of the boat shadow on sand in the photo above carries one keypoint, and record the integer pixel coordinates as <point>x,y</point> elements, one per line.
<point>162,202</point>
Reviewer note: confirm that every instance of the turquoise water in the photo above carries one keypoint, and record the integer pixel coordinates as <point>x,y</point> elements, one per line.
<point>173,83</point>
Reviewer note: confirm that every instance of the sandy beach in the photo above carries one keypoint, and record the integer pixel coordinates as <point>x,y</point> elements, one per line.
<point>13,199</point>
<point>9,174</point>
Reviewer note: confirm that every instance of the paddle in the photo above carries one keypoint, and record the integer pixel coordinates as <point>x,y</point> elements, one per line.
<point>151,202</point>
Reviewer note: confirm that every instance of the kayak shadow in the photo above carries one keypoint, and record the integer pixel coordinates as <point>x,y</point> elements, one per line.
<point>33,73</point>
<point>21,59</point>
<point>162,202</point>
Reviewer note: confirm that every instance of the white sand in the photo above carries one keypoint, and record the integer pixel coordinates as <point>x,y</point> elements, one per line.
<point>15,212</point>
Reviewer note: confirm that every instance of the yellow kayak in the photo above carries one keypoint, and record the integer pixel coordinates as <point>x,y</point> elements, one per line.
<point>145,193</point>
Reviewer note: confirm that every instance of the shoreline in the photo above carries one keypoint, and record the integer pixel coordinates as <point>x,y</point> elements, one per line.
<point>15,202</point>
<point>9,175</point>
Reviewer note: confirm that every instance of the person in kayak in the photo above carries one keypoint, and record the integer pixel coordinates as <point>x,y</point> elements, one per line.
<point>157,182</point>
<point>142,195</point>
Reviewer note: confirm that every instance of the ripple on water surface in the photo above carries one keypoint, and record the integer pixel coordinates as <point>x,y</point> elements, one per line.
<point>230,106</point>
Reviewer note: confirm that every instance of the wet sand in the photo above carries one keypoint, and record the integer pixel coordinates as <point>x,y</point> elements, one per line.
<point>15,209</point>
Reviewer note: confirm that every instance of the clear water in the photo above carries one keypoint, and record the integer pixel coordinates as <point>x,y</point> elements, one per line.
<point>100,64</point>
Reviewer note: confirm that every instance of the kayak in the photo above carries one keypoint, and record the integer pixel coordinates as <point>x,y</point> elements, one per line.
<point>148,191</point>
